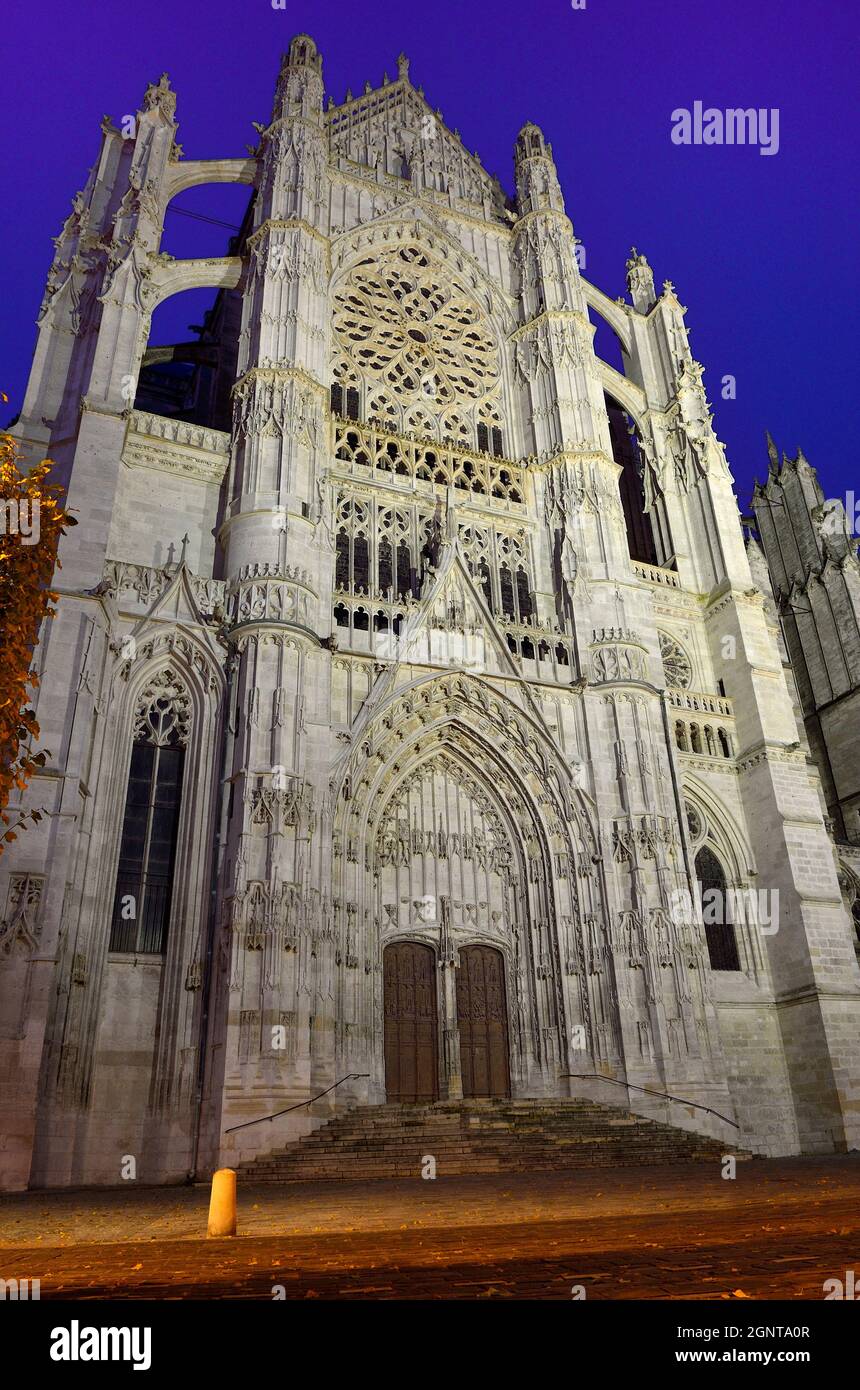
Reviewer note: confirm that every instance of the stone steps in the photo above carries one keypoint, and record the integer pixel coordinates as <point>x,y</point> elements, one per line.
<point>468,1137</point>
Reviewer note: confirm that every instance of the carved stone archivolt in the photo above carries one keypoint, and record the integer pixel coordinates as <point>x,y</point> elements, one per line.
<point>160,643</point>
<point>444,835</point>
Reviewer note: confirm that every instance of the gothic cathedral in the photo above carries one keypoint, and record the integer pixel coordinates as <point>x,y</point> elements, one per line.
<point>411,700</point>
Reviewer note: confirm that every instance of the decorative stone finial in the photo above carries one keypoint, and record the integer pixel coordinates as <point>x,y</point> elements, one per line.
<point>402,68</point>
<point>161,96</point>
<point>640,281</point>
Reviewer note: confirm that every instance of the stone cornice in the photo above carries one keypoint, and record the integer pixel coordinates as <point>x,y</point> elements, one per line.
<point>550,316</point>
<point>726,598</point>
<point>767,751</point>
<point>570,451</point>
<point>175,446</point>
<point>280,374</point>
<point>538,214</point>
<point>288,225</point>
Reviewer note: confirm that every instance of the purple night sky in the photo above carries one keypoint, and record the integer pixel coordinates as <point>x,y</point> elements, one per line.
<point>761,249</point>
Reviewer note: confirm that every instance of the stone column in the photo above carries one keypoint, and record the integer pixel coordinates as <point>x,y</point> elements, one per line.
<point>452,1079</point>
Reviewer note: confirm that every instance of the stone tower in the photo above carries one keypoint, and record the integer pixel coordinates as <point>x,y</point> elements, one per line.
<point>811,553</point>
<point>409,682</point>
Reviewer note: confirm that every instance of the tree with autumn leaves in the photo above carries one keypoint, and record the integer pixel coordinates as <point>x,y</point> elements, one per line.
<point>31,522</point>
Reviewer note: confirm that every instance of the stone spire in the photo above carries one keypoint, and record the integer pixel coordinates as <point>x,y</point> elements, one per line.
<point>299,92</point>
<point>537,183</point>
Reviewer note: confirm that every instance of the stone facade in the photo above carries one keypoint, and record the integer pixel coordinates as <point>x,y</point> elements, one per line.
<point>453,633</point>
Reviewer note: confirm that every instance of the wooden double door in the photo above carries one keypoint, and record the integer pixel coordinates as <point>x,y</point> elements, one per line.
<point>411,1014</point>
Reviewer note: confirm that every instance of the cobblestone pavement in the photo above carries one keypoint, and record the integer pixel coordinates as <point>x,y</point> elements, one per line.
<point>777,1231</point>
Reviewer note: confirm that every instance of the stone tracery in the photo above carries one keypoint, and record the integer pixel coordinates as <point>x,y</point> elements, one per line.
<point>677,667</point>
<point>402,322</point>
<point>163,711</point>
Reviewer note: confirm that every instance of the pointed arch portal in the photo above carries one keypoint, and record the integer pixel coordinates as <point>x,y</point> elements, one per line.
<point>448,863</point>
<point>463,841</point>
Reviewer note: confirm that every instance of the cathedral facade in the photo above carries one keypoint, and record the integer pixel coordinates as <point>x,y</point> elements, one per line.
<point>417,727</point>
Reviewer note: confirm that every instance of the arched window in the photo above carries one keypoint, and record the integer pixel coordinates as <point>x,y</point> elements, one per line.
<point>360,564</point>
<point>486,582</point>
<point>336,399</point>
<point>716,912</point>
<point>643,504</point>
<point>352,403</point>
<point>506,586</point>
<point>404,570</point>
<point>144,881</point>
<point>524,596</point>
<point>386,565</point>
<point>342,562</point>
<point>483,439</point>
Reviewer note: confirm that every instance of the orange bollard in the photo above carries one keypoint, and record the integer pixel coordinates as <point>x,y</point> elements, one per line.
<point>222,1203</point>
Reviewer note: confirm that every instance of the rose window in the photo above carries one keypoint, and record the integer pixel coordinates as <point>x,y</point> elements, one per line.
<point>676,663</point>
<point>401,319</point>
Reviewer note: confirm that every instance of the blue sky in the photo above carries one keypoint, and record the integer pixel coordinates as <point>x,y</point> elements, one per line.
<point>762,250</point>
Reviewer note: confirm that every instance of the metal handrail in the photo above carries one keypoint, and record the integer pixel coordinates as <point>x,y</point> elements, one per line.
<point>631,1085</point>
<point>352,1076</point>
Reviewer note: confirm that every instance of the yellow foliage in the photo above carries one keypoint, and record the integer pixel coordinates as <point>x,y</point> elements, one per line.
<point>26,569</point>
